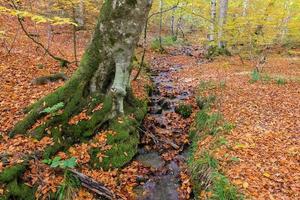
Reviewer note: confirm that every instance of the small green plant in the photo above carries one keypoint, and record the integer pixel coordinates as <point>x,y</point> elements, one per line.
<point>58,162</point>
<point>281,81</point>
<point>214,51</point>
<point>155,44</point>
<point>40,66</point>
<point>266,78</point>
<point>67,189</point>
<point>205,102</point>
<point>53,109</point>
<point>222,141</point>
<point>166,41</point>
<point>207,85</point>
<point>207,159</point>
<point>235,159</point>
<point>209,123</point>
<point>184,110</point>
<point>255,76</point>
<point>214,123</point>
<point>228,127</point>
<point>222,84</point>
<point>222,189</point>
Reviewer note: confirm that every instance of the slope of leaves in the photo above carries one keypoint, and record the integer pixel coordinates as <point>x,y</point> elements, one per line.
<point>261,155</point>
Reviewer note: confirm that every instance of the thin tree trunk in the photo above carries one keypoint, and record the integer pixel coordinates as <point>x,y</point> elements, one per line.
<point>213,12</point>
<point>172,24</point>
<point>80,18</point>
<point>285,21</point>
<point>160,24</point>
<point>245,7</point>
<point>222,22</point>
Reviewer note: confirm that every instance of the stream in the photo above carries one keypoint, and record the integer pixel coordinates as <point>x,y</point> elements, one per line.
<point>162,148</point>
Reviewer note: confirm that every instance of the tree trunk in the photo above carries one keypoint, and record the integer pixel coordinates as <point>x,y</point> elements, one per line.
<point>172,24</point>
<point>101,79</point>
<point>160,24</point>
<point>80,18</point>
<point>285,21</point>
<point>245,7</point>
<point>213,12</point>
<point>222,21</point>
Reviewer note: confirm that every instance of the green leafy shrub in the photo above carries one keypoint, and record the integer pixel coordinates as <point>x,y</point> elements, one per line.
<point>214,51</point>
<point>184,110</point>
<point>166,41</point>
<point>67,189</point>
<point>255,76</point>
<point>58,162</point>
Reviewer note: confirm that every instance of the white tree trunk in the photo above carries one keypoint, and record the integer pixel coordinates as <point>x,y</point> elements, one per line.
<point>222,21</point>
<point>245,7</point>
<point>213,12</point>
<point>80,18</point>
<point>286,20</point>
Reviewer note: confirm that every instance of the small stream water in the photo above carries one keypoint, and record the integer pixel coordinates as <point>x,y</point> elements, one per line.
<point>164,182</point>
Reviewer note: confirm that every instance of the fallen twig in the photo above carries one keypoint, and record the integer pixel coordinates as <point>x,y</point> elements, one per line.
<point>93,185</point>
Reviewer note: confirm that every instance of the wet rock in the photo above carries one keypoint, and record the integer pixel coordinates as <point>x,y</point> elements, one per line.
<point>174,168</point>
<point>184,95</point>
<point>155,110</point>
<point>166,105</point>
<point>141,179</point>
<point>161,101</point>
<point>160,122</point>
<point>160,188</point>
<point>151,159</point>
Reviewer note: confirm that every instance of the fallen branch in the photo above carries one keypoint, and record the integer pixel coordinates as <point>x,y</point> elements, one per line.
<point>93,185</point>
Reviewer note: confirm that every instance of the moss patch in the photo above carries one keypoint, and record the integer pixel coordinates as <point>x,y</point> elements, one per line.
<point>19,191</point>
<point>12,173</point>
<point>125,140</point>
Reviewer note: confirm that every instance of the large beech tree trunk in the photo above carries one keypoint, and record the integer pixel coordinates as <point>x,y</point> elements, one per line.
<point>104,69</point>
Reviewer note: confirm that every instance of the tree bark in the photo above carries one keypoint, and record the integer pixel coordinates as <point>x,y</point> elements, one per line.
<point>222,21</point>
<point>285,21</point>
<point>104,68</point>
<point>213,12</point>
<point>245,7</point>
<point>160,24</point>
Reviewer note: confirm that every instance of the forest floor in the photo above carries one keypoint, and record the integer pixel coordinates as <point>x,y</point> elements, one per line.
<point>261,155</point>
<point>262,152</point>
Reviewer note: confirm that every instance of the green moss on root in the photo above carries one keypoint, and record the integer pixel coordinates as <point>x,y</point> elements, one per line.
<point>66,135</point>
<point>19,191</point>
<point>125,142</point>
<point>12,173</point>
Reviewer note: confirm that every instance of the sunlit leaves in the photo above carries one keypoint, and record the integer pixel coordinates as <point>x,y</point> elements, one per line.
<point>36,18</point>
